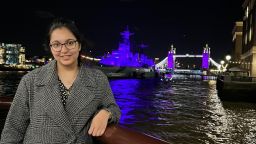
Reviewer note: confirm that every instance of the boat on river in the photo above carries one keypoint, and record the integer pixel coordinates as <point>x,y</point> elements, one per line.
<point>236,85</point>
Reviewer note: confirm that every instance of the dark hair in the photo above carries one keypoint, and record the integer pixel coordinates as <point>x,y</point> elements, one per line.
<point>70,25</point>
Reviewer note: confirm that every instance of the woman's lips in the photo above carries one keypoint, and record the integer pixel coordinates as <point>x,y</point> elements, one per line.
<point>66,56</point>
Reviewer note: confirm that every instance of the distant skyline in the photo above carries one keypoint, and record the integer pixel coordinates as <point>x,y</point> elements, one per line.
<point>189,25</point>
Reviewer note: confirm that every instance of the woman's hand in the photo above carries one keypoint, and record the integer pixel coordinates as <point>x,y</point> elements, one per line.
<point>99,123</point>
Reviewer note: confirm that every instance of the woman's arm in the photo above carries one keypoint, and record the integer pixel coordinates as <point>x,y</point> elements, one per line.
<point>109,102</point>
<point>109,111</point>
<point>17,119</point>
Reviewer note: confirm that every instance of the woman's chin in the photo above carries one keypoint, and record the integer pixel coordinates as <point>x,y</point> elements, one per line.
<point>67,62</point>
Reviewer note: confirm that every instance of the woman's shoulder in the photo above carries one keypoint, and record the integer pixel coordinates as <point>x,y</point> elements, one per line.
<point>94,72</point>
<point>36,72</point>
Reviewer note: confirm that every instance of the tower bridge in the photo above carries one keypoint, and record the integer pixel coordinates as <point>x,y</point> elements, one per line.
<point>169,61</point>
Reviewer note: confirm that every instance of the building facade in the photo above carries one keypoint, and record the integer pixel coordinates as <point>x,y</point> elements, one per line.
<point>248,57</point>
<point>12,54</point>
<point>237,41</point>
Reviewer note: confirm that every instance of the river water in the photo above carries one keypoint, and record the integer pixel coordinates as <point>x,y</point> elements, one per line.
<point>184,111</point>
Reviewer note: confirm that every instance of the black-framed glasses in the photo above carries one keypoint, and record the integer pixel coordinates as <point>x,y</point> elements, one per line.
<point>57,46</point>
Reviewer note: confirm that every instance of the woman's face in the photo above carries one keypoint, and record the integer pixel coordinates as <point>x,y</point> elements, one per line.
<point>64,46</point>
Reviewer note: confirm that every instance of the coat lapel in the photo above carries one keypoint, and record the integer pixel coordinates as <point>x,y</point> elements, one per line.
<point>82,93</point>
<point>55,109</point>
<point>50,94</point>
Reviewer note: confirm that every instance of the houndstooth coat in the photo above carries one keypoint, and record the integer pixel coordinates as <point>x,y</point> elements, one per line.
<point>37,115</point>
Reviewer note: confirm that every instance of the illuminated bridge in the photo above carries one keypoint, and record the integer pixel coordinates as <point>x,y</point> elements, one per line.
<point>169,61</point>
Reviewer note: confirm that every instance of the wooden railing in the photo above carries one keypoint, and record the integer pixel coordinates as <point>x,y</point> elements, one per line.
<point>117,134</point>
<point>5,102</point>
<point>114,134</point>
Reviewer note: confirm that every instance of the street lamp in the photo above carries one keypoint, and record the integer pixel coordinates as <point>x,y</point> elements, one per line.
<point>222,67</point>
<point>228,57</point>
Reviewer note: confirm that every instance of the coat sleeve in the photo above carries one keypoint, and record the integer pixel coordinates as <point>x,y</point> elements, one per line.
<point>17,119</point>
<point>108,102</point>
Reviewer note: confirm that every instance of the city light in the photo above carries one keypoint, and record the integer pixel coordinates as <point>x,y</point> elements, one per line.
<point>228,57</point>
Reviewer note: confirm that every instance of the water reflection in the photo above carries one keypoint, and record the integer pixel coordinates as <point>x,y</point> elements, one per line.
<point>215,118</point>
<point>9,82</point>
<point>183,112</point>
<point>125,89</point>
<point>241,122</point>
<point>135,108</point>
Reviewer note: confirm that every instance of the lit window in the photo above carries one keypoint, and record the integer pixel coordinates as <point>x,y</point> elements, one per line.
<point>250,34</point>
<point>247,12</point>
<point>245,39</point>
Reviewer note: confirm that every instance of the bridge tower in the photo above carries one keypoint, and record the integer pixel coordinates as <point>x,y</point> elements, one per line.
<point>205,57</point>
<point>171,59</point>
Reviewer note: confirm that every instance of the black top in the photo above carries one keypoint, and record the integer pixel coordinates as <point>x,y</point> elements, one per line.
<point>64,92</point>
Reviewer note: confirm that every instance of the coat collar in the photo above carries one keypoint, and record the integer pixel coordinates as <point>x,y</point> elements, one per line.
<point>47,75</point>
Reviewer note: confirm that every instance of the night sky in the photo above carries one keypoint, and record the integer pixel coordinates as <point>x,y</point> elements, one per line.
<point>189,24</point>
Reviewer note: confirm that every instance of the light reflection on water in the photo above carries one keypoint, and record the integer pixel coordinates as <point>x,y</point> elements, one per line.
<point>9,82</point>
<point>179,112</point>
<point>184,111</point>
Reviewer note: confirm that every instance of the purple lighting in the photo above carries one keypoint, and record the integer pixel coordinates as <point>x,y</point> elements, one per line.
<point>171,64</point>
<point>205,58</point>
<point>170,60</point>
<point>205,63</point>
<point>124,57</point>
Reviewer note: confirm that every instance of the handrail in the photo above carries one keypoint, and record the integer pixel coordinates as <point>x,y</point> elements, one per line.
<point>5,102</point>
<point>114,134</point>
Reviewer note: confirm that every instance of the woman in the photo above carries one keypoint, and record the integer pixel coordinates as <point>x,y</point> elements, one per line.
<point>62,101</point>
